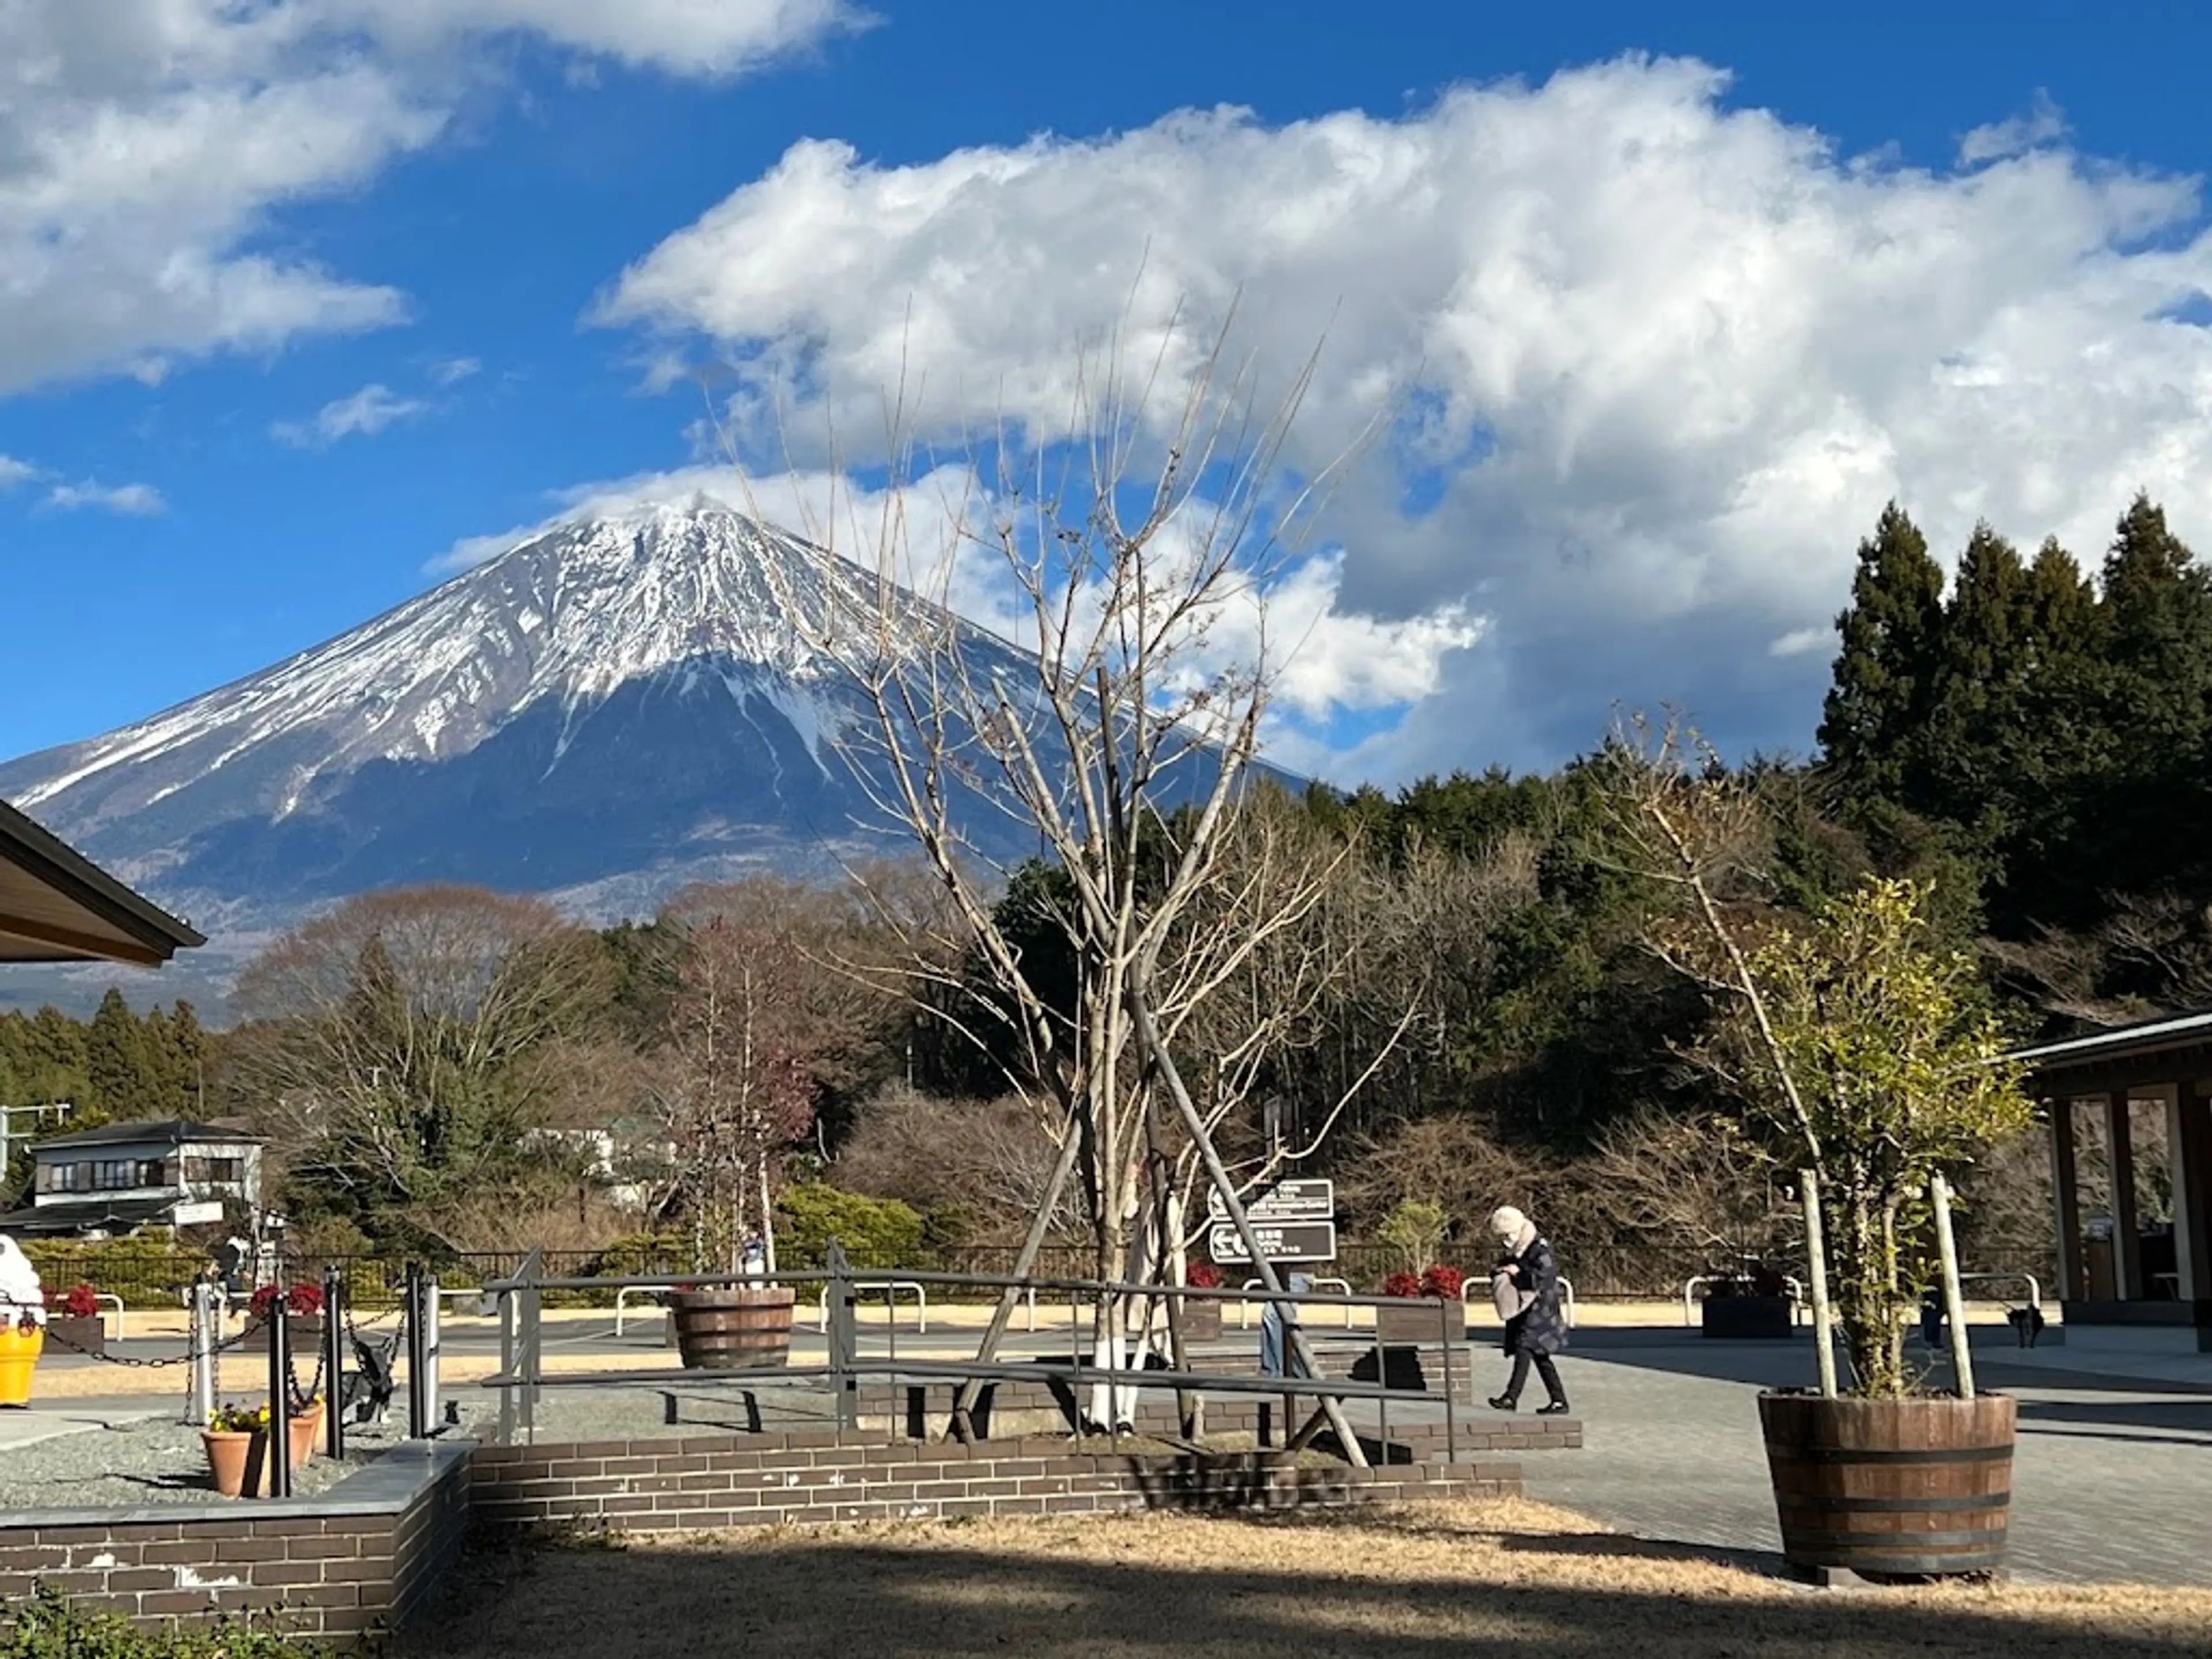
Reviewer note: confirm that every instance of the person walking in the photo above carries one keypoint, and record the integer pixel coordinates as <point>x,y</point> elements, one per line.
<point>1525,1289</point>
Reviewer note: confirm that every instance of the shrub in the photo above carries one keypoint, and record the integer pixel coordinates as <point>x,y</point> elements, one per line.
<point>48,1626</point>
<point>1406,1285</point>
<point>1444,1282</point>
<point>635,1255</point>
<point>1203,1276</point>
<point>1415,1230</point>
<point>875,1232</point>
<point>150,1269</point>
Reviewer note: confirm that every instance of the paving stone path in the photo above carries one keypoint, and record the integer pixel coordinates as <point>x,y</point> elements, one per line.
<point>2113,1481</point>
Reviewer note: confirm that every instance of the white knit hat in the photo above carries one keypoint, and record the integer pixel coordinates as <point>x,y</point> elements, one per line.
<point>1507,1223</point>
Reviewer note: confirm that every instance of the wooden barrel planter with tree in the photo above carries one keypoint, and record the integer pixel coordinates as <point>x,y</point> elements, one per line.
<point>1871,1069</point>
<point>1891,1487</point>
<point>732,1327</point>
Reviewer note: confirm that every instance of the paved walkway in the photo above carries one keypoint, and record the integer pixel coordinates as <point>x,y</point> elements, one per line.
<point>2113,1481</point>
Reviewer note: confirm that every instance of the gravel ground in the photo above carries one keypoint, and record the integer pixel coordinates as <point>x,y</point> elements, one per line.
<point>151,1461</point>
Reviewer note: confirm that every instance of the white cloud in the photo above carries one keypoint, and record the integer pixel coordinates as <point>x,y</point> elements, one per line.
<point>1333,661</point>
<point>1798,641</point>
<point>145,143</point>
<point>13,472</point>
<point>708,37</point>
<point>454,370</point>
<point>2043,123</point>
<point>365,414</point>
<point>1651,364</point>
<point>135,501</point>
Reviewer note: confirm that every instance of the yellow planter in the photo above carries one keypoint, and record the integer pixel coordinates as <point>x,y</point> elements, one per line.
<point>19,1353</point>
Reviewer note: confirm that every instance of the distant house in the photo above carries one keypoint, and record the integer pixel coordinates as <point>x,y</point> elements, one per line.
<point>123,1177</point>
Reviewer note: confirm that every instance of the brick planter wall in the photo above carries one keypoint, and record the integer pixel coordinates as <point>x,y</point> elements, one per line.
<point>734,1480</point>
<point>357,1559</point>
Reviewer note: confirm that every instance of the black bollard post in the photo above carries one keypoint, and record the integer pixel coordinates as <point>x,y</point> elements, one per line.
<point>417,1429</point>
<point>333,1362</point>
<point>279,1451</point>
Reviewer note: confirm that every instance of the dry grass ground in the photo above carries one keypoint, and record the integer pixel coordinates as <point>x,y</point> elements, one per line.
<point>1477,1580</point>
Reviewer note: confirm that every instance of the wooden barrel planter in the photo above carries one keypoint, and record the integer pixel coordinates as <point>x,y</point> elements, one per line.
<point>1891,1487</point>
<point>1741,1318</point>
<point>737,1328</point>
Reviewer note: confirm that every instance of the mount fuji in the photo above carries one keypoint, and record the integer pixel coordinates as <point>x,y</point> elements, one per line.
<point>602,713</point>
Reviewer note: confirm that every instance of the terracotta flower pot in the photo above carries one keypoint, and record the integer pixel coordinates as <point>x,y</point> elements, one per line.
<point>18,1355</point>
<point>307,1428</point>
<point>237,1458</point>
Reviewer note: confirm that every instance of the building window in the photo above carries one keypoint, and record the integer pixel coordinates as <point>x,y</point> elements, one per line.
<point>215,1171</point>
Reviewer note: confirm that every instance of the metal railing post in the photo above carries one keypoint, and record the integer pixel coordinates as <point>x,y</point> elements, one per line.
<point>430,1318</point>
<point>509,1356</point>
<point>841,1335</point>
<point>205,1333</point>
<point>533,1269</point>
<point>1451,1420</point>
<point>334,1317</point>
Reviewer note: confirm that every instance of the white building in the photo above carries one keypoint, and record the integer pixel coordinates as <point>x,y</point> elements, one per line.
<point>123,1177</point>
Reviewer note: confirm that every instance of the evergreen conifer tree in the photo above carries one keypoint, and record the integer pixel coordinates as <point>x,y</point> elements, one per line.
<point>1885,666</point>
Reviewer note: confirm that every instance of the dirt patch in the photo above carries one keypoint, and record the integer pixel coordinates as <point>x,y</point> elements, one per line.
<point>1418,1583</point>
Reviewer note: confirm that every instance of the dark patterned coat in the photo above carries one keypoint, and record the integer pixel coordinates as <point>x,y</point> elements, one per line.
<point>1541,1329</point>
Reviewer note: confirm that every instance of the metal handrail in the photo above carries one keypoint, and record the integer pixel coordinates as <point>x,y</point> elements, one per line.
<point>969,1281</point>
<point>621,1300</point>
<point>1009,1371</point>
<point>1244,1307</point>
<point>891,1288</point>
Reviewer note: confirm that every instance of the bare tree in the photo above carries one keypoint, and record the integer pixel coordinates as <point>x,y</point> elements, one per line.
<point>735,1085</point>
<point>394,1047</point>
<point>1119,728</point>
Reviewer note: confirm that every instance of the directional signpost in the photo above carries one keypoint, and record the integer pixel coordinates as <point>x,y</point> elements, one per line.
<point>1292,1220</point>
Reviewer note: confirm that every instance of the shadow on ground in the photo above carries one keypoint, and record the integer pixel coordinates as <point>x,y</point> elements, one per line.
<point>2130,1418</point>
<point>1150,1588</point>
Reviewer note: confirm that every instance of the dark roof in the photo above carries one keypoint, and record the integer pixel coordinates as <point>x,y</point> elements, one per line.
<point>85,1215</point>
<point>2146,1037</point>
<point>174,1129</point>
<point>60,906</point>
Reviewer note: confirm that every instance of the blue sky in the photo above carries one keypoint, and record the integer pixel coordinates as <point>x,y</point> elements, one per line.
<point>473,357</point>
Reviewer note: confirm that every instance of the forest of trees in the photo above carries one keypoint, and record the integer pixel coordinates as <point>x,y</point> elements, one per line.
<point>1466,1012</point>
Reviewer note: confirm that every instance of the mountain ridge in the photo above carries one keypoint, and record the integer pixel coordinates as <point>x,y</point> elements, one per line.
<point>602,702</point>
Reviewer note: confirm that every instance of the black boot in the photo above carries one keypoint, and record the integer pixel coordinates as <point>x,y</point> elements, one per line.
<point>1504,1403</point>
<point>1553,1408</point>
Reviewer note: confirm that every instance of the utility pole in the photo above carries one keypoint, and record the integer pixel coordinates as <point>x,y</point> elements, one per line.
<point>8,1114</point>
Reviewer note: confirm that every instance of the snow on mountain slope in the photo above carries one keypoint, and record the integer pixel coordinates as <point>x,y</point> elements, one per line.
<point>571,615</point>
<point>599,710</point>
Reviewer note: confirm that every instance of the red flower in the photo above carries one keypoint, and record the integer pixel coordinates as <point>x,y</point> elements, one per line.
<point>1443,1282</point>
<point>1404,1285</point>
<point>1203,1276</point>
<point>302,1300</point>
<point>79,1303</point>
